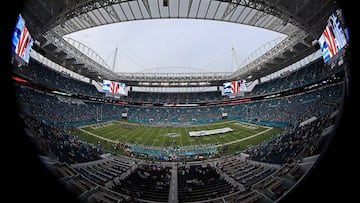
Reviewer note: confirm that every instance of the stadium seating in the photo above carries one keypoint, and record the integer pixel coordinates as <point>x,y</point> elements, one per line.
<point>271,169</point>
<point>40,74</point>
<point>198,182</point>
<point>293,144</point>
<point>174,97</point>
<point>307,75</point>
<point>149,182</point>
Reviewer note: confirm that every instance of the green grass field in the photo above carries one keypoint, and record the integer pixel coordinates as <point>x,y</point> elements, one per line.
<point>243,134</point>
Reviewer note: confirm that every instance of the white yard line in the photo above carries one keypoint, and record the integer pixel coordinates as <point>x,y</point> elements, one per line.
<point>245,138</point>
<point>164,137</point>
<point>103,138</point>
<point>180,137</point>
<point>150,132</point>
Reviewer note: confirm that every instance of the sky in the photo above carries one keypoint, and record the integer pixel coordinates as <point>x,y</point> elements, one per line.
<point>174,45</point>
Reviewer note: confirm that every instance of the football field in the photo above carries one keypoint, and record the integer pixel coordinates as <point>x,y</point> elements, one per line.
<point>122,131</point>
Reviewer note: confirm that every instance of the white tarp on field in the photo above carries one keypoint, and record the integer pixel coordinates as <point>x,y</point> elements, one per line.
<point>209,132</point>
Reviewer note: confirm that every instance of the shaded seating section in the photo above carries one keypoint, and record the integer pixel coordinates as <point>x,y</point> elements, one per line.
<point>292,172</point>
<point>309,74</point>
<point>78,184</point>
<point>147,181</point>
<point>174,97</point>
<point>250,196</point>
<point>263,182</point>
<point>105,170</point>
<point>245,172</point>
<point>63,111</point>
<point>62,169</point>
<point>85,188</point>
<point>197,183</point>
<point>42,75</point>
<point>243,197</point>
<point>88,191</point>
<point>275,186</point>
<point>102,194</point>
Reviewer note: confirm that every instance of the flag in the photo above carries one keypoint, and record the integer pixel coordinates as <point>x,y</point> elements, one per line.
<point>22,40</point>
<point>338,32</point>
<point>234,87</point>
<point>330,41</point>
<point>114,87</point>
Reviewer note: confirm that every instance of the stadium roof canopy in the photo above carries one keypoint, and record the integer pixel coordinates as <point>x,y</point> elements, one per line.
<point>302,21</point>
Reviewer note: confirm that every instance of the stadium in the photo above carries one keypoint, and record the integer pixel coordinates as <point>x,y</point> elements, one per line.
<point>247,135</point>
